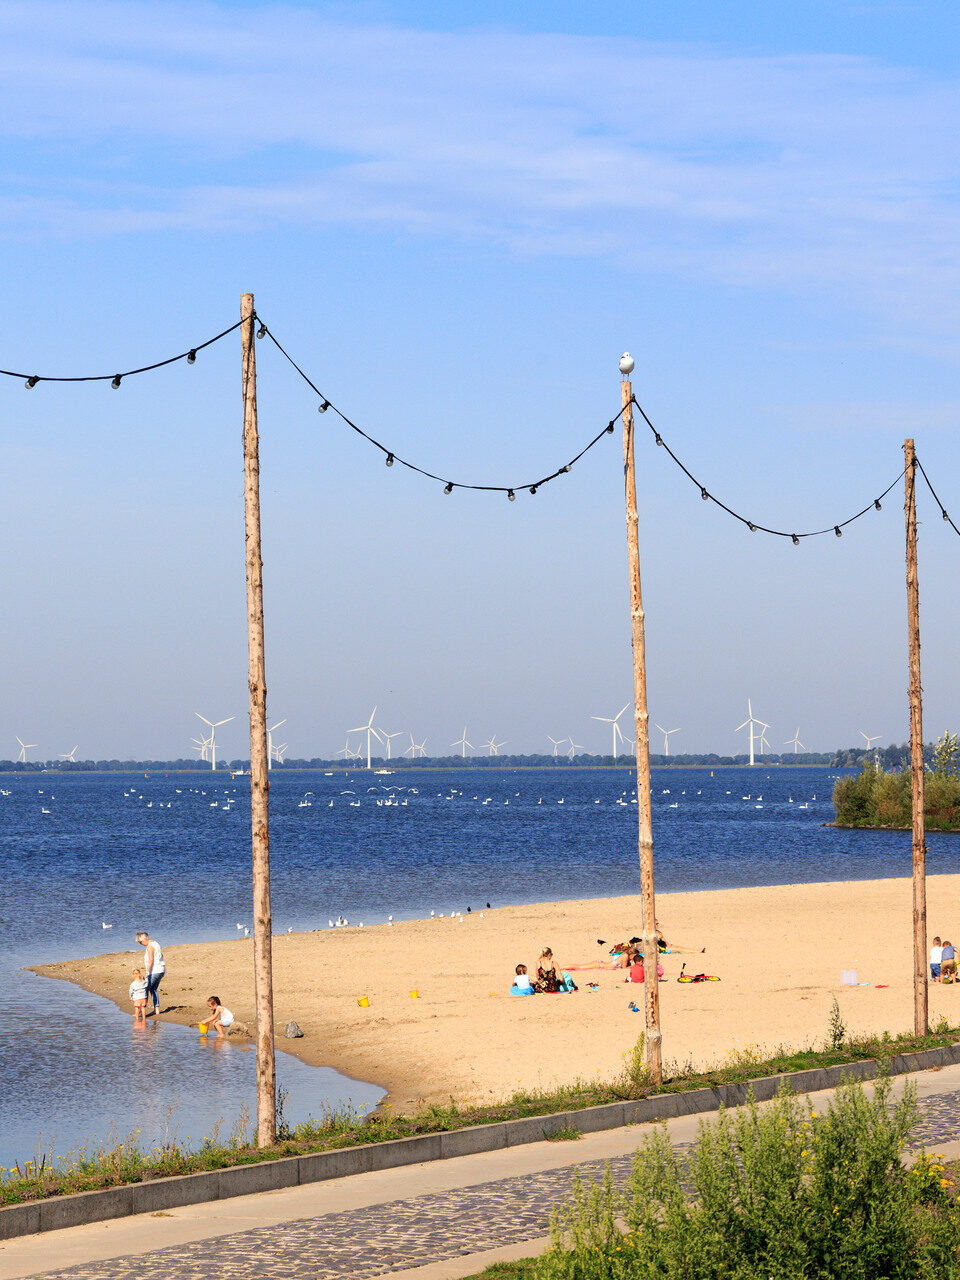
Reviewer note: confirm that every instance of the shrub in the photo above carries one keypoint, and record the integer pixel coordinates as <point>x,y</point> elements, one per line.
<point>772,1192</point>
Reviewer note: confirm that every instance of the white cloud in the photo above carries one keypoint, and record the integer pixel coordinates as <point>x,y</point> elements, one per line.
<point>812,173</point>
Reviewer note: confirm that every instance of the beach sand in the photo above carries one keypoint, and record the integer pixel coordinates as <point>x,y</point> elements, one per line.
<point>778,951</point>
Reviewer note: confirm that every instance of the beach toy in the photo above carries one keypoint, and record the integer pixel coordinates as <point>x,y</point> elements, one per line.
<point>363,1002</point>
<point>848,977</point>
<point>414,995</point>
<point>203,1028</point>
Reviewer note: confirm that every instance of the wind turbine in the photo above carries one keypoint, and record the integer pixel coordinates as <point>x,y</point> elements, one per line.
<point>70,755</point>
<point>875,738</point>
<point>574,747</point>
<point>211,741</point>
<point>795,741</point>
<point>462,743</point>
<point>345,751</point>
<point>270,742</point>
<point>763,737</point>
<point>666,737</point>
<point>201,745</point>
<point>370,731</point>
<point>611,720</point>
<point>398,733</point>
<point>420,748</point>
<point>556,744</point>
<point>751,720</point>
<point>24,748</point>
<point>281,752</point>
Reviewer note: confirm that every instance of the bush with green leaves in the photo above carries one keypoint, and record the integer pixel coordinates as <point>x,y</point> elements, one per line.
<point>770,1191</point>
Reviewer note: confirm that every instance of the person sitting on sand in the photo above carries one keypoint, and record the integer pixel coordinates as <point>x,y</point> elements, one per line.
<point>936,959</point>
<point>138,994</point>
<point>948,963</point>
<point>522,985</point>
<point>636,969</point>
<point>218,1018</point>
<point>664,945</point>
<point>548,979</point>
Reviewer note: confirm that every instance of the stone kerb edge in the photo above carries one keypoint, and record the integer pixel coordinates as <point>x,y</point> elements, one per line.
<point>271,1175</point>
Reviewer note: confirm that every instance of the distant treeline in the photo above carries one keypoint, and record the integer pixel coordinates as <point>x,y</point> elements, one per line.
<point>892,757</point>
<point>879,797</point>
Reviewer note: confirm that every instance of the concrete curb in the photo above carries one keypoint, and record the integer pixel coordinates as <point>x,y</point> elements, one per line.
<point>270,1175</point>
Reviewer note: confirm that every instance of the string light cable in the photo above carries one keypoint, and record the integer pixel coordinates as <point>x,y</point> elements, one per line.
<point>190,355</point>
<point>391,457</point>
<point>943,509</point>
<point>752,525</point>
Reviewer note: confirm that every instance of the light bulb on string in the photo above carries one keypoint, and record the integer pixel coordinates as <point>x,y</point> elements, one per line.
<point>876,503</point>
<point>838,531</point>
<point>389,459</point>
<point>796,540</point>
<point>945,516</point>
<point>751,527</point>
<point>511,495</point>
<point>116,383</point>
<point>323,406</point>
<point>704,495</point>
<point>533,488</point>
<point>564,470</point>
<point>448,487</point>
<point>262,331</point>
<point>191,357</point>
<point>610,426</point>
<point>31,382</point>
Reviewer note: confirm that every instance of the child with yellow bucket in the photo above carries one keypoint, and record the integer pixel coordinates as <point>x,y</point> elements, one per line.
<point>218,1019</point>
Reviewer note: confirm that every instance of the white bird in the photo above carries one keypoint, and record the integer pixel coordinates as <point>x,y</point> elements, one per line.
<point>246,933</point>
<point>104,925</point>
<point>239,925</point>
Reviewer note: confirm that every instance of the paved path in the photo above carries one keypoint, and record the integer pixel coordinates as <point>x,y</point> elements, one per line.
<point>416,1226</point>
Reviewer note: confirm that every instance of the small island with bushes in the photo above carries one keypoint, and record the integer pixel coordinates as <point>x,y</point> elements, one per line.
<point>880,799</point>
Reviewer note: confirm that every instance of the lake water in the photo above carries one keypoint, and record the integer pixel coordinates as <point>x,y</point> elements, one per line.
<point>171,853</point>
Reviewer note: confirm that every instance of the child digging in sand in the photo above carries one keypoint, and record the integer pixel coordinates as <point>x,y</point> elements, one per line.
<point>218,1018</point>
<point>138,994</point>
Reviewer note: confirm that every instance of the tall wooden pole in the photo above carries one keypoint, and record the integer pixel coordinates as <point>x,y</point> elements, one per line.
<point>259,777</point>
<point>920,1022</point>
<point>651,952</point>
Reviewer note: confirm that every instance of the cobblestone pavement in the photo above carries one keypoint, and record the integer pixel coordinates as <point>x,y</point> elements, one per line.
<point>407,1233</point>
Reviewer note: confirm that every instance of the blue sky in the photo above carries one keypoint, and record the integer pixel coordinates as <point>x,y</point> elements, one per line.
<point>455,218</point>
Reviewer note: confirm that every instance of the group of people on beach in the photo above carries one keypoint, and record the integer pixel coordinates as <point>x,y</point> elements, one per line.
<point>551,980</point>
<point>943,961</point>
<point>143,988</point>
<point>145,984</point>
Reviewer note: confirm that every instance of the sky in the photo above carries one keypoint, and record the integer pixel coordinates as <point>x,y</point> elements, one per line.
<point>455,218</point>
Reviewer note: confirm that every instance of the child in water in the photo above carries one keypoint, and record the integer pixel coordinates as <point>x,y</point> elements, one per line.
<point>138,994</point>
<point>218,1018</point>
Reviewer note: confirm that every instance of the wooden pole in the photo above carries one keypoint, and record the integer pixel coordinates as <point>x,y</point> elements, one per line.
<point>651,952</point>
<point>259,776</point>
<point>920,1020</point>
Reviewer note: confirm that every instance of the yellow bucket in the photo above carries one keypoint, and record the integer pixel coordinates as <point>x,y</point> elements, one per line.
<point>363,1002</point>
<point>203,1028</point>
<point>414,995</point>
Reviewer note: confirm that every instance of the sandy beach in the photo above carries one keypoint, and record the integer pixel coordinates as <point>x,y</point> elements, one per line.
<point>778,951</point>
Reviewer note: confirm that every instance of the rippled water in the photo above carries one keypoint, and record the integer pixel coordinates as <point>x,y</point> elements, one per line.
<point>132,851</point>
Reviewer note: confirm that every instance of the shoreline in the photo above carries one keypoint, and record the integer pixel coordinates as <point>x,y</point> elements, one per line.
<point>778,951</point>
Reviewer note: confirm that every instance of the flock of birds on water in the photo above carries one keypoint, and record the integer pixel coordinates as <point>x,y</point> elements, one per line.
<point>390,796</point>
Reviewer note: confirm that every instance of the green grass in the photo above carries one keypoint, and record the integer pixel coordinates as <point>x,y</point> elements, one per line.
<point>116,1160</point>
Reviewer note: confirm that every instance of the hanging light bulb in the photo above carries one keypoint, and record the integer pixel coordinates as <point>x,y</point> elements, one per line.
<point>31,382</point>
<point>323,406</point>
<point>751,527</point>
<point>511,495</point>
<point>610,426</point>
<point>945,516</point>
<point>704,495</point>
<point>876,503</point>
<point>192,357</point>
<point>116,382</point>
<point>448,487</point>
<point>837,530</point>
<point>796,540</point>
<point>262,331</point>
<point>533,488</point>
<point>659,438</point>
<point>389,459</point>
<point>564,470</point>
